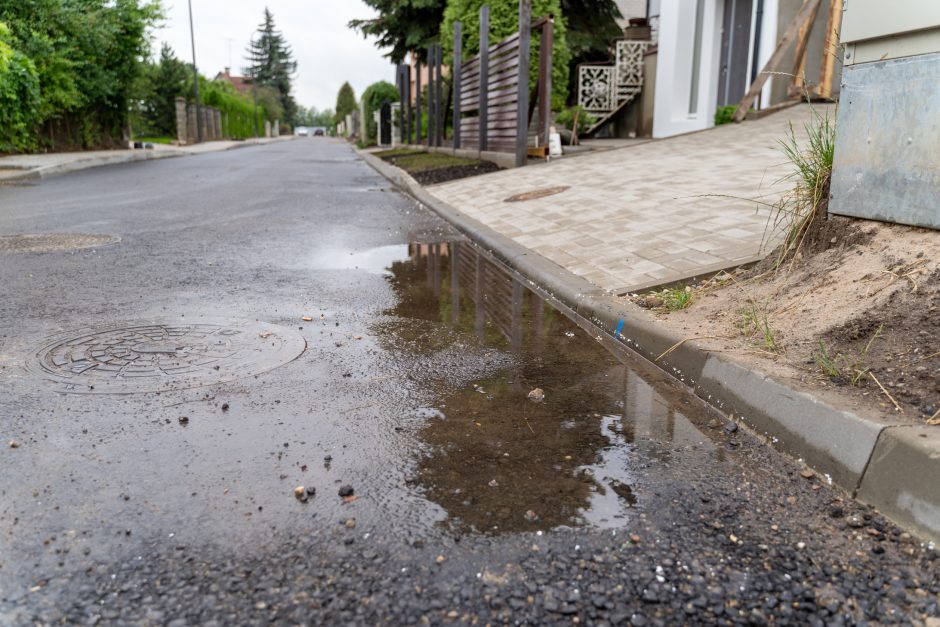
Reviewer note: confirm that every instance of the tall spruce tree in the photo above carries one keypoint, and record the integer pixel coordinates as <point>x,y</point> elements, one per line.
<point>345,102</point>
<point>271,63</point>
<point>402,25</point>
<point>169,79</point>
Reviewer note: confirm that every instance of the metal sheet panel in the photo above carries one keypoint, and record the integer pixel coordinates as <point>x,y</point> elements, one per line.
<point>887,165</point>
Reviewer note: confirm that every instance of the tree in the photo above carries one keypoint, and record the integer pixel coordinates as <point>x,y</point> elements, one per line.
<point>168,80</point>
<point>374,97</point>
<point>504,21</point>
<point>402,26</point>
<point>592,26</point>
<point>345,102</point>
<point>19,96</point>
<point>87,55</point>
<point>272,65</point>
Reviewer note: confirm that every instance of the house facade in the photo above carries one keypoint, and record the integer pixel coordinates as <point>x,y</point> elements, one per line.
<point>710,51</point>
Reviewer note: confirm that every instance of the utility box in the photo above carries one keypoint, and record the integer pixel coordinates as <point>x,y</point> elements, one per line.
<point>887,162</point>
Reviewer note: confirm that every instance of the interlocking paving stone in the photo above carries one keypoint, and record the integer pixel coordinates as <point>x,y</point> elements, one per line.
<point>652,213</point>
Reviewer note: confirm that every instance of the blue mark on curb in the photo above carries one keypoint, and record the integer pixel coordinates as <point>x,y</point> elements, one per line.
<point>619,329</point>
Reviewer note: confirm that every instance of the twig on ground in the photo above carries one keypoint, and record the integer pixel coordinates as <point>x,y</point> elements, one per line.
<point>690,339</point>
<point>934,420</point>
<point>890,398</point>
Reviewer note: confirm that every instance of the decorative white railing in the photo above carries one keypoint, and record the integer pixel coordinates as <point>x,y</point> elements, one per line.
<point>606,88</point>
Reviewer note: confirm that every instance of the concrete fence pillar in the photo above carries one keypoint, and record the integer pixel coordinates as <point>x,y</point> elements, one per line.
<point>206,126</point>
<point>267,128</point>
<point>217,120</point>
<point>277,128</point>
<point>191,124</point>
<point>181,128</point>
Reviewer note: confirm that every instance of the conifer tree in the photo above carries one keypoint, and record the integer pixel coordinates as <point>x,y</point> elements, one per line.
<point>271,63</point>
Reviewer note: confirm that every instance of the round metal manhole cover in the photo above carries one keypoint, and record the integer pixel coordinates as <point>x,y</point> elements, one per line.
<point>163,356</point>
<point>53,242</point>
<point>537,193</point>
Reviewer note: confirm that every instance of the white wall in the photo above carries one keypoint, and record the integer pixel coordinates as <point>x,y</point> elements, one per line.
<point>631,8</point>
<point>674,67</point>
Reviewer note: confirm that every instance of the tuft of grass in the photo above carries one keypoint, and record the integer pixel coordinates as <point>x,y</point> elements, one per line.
<point>755,323</point>
<point>853,369</point>
<point>812,167</point>
<point>676,298</point>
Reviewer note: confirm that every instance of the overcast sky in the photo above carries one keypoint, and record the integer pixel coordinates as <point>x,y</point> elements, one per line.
<point>326,51</point>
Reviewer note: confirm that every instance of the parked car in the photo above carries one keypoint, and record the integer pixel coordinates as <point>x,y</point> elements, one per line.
<point>319,132</point>
<point>301,131</point>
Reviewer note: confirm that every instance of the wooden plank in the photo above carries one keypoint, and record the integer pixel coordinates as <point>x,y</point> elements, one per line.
<point>503,81</point>
<point>510,42</point>
<point>484,72</point>
<point>789,36</point>
<point>505,99</point>
<point>830,50</point>
<point>546,42</point>
<point>522,124</point>
<point>798,81</point>
<point>539,152</point>
<point>504,64</point>
<point>458,45</point>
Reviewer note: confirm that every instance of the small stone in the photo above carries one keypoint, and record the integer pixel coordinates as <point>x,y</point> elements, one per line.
<point>801,545</point>
<point>731,427</point>
<point>493,483</point>
<point>855,522</point>
<point>439,559</point>
<point>350,523</point>
<point>537,395</point>
<point>307,319</point>
<point>311,491</point>
<point>300,492</point>
<point>224,406</point>
<point>807,473</point>
<point>531,516</point>
<point>14,444</point>
<point>183,420</point>
<point>346,490</point>
<point>635,539</point>
<point>836,512</point>
<point>261,605</point>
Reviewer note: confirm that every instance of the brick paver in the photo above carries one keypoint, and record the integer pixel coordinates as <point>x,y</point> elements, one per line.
<point>648,214</point>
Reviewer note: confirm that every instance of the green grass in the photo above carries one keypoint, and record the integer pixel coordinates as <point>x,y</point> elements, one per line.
<point>853,368</point>
<point>155,140</point>
<point>812,166</point>
<point>415,162</point>
<point>755,324</point>
<point>676,298</point>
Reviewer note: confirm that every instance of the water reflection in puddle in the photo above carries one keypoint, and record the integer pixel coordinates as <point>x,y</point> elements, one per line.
<point>497,461</point>
<point>373,260</point>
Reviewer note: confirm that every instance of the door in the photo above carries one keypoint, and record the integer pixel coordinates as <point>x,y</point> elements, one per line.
<point>735,46</point>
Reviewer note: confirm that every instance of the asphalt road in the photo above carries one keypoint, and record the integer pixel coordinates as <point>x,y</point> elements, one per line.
<point>185,342</point>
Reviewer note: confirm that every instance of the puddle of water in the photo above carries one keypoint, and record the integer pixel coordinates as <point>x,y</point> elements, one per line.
<point>493,459</point>
<point>375,260</point>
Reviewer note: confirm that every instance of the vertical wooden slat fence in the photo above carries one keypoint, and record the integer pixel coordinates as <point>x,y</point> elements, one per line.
<point>458,46</point>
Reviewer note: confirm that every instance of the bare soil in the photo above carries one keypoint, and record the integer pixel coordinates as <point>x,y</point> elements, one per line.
<point>855,314</point>
<point>433,168</point>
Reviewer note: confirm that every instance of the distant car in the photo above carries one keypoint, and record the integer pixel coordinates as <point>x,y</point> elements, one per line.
<point>301,131</point>
<point>319,132</point>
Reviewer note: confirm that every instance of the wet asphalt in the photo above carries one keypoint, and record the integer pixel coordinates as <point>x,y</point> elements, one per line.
<point>162,396</point>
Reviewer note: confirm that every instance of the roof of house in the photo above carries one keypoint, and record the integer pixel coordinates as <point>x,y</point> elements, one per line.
<point>241,83</point>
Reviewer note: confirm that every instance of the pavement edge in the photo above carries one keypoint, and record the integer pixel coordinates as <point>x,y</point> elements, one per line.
<point>879,463</point>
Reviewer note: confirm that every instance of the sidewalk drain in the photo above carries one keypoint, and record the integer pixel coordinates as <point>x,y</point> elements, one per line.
<point>53,242</point>
<point>162,356</point>
<point>537,193</point>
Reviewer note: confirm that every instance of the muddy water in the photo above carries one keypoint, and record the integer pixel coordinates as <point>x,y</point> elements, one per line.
<point>602,438</point>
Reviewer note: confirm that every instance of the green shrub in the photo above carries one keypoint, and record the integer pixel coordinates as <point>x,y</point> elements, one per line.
<point>238,112</point>
<point>19,97</point>
<point>504,21</point>
<point>373,97</point>
<point>725,114</point>
<point>565,119</point>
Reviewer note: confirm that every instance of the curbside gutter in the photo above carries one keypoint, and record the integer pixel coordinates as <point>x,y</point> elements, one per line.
<point>887,465</point>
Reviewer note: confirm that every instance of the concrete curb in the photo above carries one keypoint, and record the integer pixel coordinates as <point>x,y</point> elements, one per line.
<point>119,156</point>
<point>884,464</point>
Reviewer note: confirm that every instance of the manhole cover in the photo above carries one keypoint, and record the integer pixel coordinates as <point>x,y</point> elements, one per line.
<point>537,193</point>
<point>51,242</point>
<point>161,356</point>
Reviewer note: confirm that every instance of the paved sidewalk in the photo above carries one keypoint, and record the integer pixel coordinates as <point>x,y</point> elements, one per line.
<point>17,167</point>
<point>647,214</point>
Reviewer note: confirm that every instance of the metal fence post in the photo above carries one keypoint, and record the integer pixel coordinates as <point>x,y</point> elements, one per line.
<point>438,97</point>
<point>431,65</point>
<point>484,74</point>
<point>522,118</point>
<point>545,77</point>
<point>455,73</point>
<point>418,102</point>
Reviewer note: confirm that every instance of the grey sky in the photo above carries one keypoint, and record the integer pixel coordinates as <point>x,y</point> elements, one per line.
<point>327,52</point>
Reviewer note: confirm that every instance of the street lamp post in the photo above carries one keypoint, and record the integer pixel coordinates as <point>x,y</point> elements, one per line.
<point>192,38</point>
<point>254,92</point>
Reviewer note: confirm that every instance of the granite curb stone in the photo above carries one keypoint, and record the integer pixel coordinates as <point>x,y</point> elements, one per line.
<point>879,462</point>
